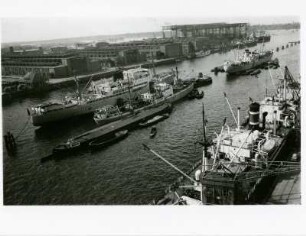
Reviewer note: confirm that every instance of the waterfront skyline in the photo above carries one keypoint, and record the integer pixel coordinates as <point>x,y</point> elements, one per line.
<point>43,29</point>
<point>125,173</point>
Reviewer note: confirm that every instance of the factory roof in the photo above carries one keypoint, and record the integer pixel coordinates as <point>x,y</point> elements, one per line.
<point>201,26</point>
<point>42,56</point>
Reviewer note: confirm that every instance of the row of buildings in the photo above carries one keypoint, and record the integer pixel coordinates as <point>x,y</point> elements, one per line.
<point>178,41</point>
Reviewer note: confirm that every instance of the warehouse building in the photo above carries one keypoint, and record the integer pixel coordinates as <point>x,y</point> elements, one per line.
<point>55,65</point>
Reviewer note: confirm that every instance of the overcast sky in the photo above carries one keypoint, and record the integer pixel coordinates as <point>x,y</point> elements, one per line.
<point>52,19</point>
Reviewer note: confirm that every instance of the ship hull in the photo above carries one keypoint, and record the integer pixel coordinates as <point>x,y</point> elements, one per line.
<point>180,94</point>
<point>83,109</point>
<point>172,99</point>
<point>236,69</point>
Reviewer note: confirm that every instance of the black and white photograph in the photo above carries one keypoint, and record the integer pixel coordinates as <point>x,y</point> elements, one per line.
<point>159,110</point>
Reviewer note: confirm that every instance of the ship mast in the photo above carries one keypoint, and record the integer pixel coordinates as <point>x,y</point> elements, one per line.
<point>153,66</point>
<point>176,75</point>
<point>204,139</point>
<point>79,94</point>
<point>128,78</point>
<point>87,83</point>
<point>231,109</point>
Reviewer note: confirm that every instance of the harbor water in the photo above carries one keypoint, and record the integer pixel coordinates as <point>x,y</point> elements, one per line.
<point>125,173</point>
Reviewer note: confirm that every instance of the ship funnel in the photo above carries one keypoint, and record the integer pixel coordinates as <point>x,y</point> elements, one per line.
<point>254,116</point>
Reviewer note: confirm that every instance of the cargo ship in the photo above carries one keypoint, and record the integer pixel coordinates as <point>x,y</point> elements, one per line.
<point>249,60</point>
<point>234,165</point>
<point>159,93</point>
<point>134,83</point>
<point>239,164</point>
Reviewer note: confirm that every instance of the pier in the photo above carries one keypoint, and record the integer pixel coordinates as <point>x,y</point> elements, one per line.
<point>116,126</point>
<point>287,190</point>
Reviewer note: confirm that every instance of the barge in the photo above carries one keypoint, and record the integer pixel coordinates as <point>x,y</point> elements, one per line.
<point>84,139</point>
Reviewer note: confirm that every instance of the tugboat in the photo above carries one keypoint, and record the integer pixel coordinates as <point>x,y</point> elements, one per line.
<point>202,80</point>
<point>195,94</point>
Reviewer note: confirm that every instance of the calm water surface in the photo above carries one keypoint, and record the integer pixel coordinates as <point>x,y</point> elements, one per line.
<point>124,173</point>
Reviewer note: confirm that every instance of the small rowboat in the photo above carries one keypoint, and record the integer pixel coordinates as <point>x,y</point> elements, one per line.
<point>200,95</point>
<point>104,142</point>
<point>153,132</point>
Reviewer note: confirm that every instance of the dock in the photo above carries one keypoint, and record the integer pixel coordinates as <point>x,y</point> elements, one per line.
<point>116,126</point>
<point>287,190</point>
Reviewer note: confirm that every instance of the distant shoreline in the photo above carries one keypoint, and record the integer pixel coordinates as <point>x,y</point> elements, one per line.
<point>131,36</point>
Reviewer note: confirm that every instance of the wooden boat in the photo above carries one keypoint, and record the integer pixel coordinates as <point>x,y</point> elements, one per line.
<point>256,72</point>
<point>154,120</point>
<point>67,147</point>
<point>200,95</point>
<point>104,142</point>
<point>153,132</point>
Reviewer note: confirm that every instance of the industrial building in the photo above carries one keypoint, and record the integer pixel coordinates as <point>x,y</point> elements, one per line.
<point>133,52</point>
<point>205,30</point>
<point>55,65</point>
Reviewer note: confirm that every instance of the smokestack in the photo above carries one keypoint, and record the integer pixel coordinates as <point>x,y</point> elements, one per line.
<point>264,120</point>
<point>238,118</point>
<point>254,116</point>
<point>274,123</point>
